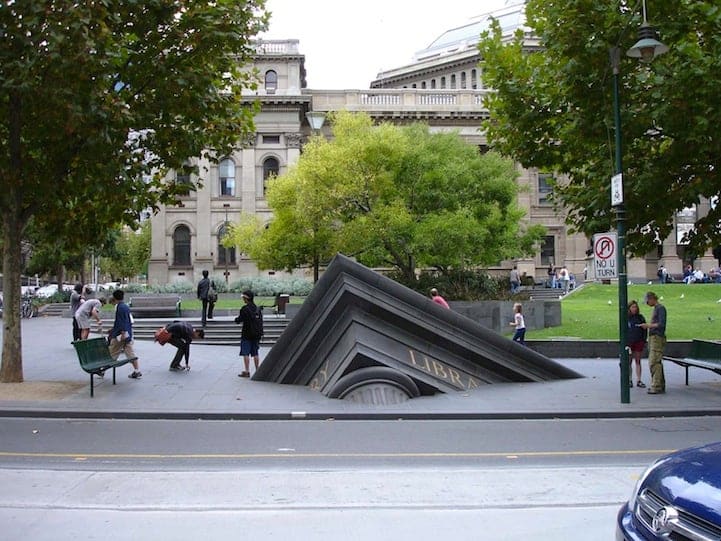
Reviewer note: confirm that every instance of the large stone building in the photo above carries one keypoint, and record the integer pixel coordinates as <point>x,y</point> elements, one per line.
<point>443,87</point>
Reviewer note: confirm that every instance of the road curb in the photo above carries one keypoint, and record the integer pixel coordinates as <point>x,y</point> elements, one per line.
<point>352,416</point>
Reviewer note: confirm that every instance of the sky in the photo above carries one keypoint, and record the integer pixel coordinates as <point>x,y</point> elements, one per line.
<point>347,43</point>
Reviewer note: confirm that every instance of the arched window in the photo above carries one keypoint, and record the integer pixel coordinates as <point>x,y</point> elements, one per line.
<point>423,85</point>
<point>271,167</point>
<point>271,81</point>
<point>226,171</point>
<point>463,79</point>
<point>433,84</point>
<point>181,246</point>
<point>453,81</point>
<point>474,81</point>
<point>443,82</point>
<point>225,255</point>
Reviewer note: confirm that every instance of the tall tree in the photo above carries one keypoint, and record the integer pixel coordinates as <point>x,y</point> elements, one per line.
<point>553,109</point>
<point>130,253</point>
<point>394,196</point>
<point>98,99</point>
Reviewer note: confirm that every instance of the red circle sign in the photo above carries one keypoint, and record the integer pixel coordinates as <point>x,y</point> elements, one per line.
<point>605,247</point>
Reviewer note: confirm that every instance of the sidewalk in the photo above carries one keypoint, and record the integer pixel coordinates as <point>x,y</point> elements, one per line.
<point>55,386</point>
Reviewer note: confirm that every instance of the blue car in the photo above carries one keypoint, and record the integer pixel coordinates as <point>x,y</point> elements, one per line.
<point>677,498</point>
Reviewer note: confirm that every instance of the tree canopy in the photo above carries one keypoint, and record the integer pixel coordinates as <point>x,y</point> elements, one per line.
<point>98,100</point>
<point>553,109</point>
<point>391,196</point>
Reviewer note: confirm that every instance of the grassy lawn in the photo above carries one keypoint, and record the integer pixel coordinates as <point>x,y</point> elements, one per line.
<point>694,311</point>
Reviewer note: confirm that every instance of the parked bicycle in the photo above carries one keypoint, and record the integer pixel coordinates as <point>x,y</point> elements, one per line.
<point>27,310</point>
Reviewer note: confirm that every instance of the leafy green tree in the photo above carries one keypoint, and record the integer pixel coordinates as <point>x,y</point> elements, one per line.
<point>130,254</point>
<point>98,100</point>
<point>394,196</point>
<point>553,109</point>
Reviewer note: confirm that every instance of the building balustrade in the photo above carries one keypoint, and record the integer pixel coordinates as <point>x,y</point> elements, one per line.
<point>403,100</point>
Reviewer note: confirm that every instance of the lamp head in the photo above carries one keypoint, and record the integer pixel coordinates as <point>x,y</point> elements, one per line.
<point>315,119</point>
<point>647,47</point>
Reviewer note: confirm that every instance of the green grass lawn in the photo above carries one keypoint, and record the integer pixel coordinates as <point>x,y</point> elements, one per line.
<point>693,311</point>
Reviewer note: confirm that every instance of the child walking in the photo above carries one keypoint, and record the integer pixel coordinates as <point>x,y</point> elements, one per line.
<point>519,323</point>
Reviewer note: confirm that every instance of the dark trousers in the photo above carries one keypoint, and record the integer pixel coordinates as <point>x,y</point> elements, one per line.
<point>183,350</point>
<point>76,330</point>
<point>207,310</point>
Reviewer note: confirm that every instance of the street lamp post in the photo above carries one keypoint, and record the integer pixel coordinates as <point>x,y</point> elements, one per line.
<point>225,249</point>
<point>316,120</point>
<point>646,49</point>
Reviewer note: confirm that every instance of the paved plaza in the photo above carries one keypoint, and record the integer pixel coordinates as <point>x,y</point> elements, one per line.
<point>56,386</point>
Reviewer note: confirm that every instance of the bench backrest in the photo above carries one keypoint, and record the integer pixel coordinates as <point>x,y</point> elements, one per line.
<point>706,350</point>
<point>156,300</point>
<point>92,350</point>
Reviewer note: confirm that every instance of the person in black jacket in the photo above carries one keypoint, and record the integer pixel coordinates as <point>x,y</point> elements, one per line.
<point>250,333</point>
<point>208,302</point>
<point>182,334</point>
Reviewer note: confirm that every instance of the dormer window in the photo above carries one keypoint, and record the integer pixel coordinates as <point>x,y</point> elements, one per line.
<point>271,81</point>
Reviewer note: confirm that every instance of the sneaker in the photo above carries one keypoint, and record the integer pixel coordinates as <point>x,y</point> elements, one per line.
<point>135,375</point>
<point>640,384</point>
<point>101,374</point>
<point>244,374</point>
<point>175,368</point>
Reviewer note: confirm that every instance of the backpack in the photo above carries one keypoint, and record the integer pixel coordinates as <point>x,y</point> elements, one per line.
<point>256,324</point>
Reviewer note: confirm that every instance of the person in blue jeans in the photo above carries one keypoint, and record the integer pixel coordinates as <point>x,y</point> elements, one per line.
<point>519,323</point>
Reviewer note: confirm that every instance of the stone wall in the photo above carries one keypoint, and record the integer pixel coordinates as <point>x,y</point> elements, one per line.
<point>496,315</point>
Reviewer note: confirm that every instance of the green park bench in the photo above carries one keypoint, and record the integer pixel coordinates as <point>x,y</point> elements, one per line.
<point>95,359</point>
<point>704,354</point>
<point>155,305</point>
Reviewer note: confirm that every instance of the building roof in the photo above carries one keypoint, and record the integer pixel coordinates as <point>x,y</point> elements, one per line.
<point>511,17</point>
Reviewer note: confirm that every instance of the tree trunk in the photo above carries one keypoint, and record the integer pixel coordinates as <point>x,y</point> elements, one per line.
<point>11,368</point>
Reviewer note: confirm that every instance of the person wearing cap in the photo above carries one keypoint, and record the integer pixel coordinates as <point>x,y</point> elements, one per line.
<point>435,297</point>
<point>656,343</point>
<point>249,340</point>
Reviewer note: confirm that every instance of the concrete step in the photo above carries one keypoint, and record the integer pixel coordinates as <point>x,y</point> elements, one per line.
<point>218,331</point>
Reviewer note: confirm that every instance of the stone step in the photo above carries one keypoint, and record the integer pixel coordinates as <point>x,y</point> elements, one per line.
<point>217,331</point>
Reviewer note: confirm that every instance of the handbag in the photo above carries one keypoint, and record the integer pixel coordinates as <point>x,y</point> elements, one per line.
<point>162,336</point>
<point>212,293</point>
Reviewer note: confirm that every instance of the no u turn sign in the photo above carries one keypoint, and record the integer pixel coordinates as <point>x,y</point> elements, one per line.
<point>604,256</point>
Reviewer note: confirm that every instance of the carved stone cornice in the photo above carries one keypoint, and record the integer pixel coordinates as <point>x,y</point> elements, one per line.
<point>293,140</point>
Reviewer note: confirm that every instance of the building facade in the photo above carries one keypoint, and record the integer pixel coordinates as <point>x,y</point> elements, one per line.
<point>442,87</point>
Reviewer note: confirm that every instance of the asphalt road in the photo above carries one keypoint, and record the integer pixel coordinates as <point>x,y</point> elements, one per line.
<point>490,480</point>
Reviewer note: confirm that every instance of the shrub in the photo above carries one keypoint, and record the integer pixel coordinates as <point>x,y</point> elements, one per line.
<point>461,285</point>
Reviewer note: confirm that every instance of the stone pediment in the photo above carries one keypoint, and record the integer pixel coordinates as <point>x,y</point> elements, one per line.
<point>359,328</point>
